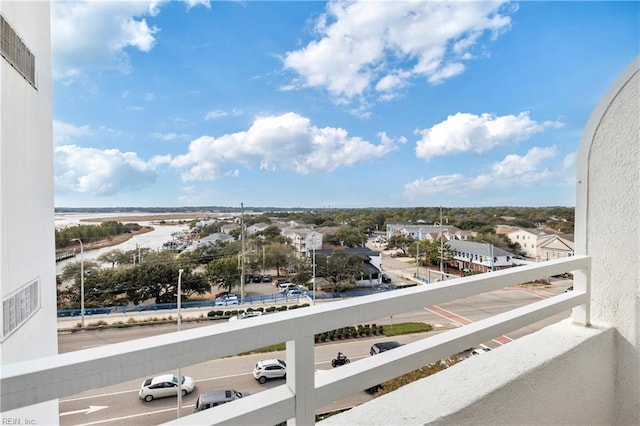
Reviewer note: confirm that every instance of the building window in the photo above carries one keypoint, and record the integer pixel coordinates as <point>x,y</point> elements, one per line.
<point>16,52</point>
<point>18,307</point>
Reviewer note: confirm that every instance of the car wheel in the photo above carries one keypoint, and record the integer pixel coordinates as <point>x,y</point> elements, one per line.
<point>262,380</point>
<point>347,361</point>
<point>184,392</point>
<point>148,398</point>
<point>333,363</point>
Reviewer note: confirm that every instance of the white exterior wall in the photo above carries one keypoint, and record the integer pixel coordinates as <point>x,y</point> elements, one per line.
<point>527,382</point>
<point>527,240</point>
<point>27,250</point>
<point>608,201</point>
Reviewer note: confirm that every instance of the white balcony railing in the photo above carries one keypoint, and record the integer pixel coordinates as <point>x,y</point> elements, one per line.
<point>39,380</point>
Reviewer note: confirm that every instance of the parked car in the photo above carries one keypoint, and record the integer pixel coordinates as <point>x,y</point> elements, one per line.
<point>386,278</point>
<point>225,301</point>
<point>257,278</point>
<point>224,294</point>
<point>377,348</point>
<point>266,279</point>
<point>281,281</point>
<point>163,386</point>
<point>211,399</point>
<point>269,369</point>
<point>245,315</point>
<point>286,286</point>
<point>294,292</point>
<point>479,351</point>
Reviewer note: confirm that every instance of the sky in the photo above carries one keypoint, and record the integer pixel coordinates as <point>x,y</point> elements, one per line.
<point>345,104</point>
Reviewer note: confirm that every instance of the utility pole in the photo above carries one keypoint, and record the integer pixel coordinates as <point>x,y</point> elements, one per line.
<point>441,248</point>
<point>242,253</point>
<point>314,268</point>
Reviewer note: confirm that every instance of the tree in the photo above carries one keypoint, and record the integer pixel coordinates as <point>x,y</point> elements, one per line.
<point>346,236</point>
<point>72,270</point>
<point>224,272</point>
<point>113,257</point>
<point>340,269</point>
<point>400,242</point>
<point>159,281</point>
<point>278,255</point>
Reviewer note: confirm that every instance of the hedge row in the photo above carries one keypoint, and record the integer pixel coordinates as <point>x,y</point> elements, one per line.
<point>222,313</point>
<point>350,333</point>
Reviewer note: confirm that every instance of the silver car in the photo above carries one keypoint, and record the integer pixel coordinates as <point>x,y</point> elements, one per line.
<point>163,386</point>
<point>269,369</point>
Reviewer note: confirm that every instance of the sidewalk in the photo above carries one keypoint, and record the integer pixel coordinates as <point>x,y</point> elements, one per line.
<point>71,323</point>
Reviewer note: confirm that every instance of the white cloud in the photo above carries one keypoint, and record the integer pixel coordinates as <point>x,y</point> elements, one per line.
<point>94,35</point>
<point>218,113</point>
<point>194,3</point>
<point>64,132</point>
<point>101,172</point>
<point>363,45</point>
<point>569,160</point>
<point>169,136</point>
<point>464,132</point>
<point>285,142</point>
<point>512,171</point>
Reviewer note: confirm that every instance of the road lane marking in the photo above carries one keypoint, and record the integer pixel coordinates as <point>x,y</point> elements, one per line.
<point>460,320</point>
<point>137,390</point>
<point>91,409</point>
<point>146,413</point>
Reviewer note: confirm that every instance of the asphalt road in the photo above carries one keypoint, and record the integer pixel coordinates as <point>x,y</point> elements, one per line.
<point>120,405</point>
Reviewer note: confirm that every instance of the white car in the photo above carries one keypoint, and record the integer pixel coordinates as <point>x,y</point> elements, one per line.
<point>269,369</point>
<point>163,386</point>
<point>479,351</point>
<point>295,293</point>
<point>244,315</point>
<point>232,300</point>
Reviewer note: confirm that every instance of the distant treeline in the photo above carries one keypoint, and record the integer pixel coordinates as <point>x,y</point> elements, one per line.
<point>92,233</point>
<point>479,219</point>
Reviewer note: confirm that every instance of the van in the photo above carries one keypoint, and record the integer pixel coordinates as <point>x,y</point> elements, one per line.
<point>211,399</point>
<point>284,287</point>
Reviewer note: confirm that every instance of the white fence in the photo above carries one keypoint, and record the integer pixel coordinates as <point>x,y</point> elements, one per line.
<point>27,383</point>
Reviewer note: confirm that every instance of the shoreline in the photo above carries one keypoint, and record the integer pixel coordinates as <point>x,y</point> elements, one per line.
<point>108,242</point>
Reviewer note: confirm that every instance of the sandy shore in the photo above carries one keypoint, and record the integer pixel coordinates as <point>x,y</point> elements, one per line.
<point>149,218</point>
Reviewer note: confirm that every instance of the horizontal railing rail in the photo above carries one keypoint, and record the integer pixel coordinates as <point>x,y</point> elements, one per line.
<point>39,380</point>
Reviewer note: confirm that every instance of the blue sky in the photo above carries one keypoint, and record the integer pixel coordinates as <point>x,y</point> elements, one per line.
<point>339,104</point>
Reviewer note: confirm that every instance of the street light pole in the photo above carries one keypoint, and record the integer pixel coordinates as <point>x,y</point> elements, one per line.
<point>441,248</point>
<point>314,269</point>
<point>81,281</point>
<point>179,325</point>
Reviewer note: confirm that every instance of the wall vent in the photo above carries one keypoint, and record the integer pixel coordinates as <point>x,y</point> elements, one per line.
<point>16,52</point>
<point>19,307</point>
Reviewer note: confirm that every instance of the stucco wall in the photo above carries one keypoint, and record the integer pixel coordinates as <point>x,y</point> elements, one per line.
<point>527,381</point>
<point>26,195</point>
<point>609,161</point>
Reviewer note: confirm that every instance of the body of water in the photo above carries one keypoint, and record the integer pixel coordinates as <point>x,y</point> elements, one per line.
<point>152,240</point>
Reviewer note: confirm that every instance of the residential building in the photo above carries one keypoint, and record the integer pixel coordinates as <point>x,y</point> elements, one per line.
<point>27,252</point>
<point>528,240</point>
<point>419,232</point>
<point>229,227</point>
<point>555,247</point>
<point>303,240</point>
<point>256,227</point>
<point>479,257</point>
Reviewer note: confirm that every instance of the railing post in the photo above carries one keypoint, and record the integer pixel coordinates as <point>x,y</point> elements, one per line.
<point>301,379</point>
<point>582,283</point>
